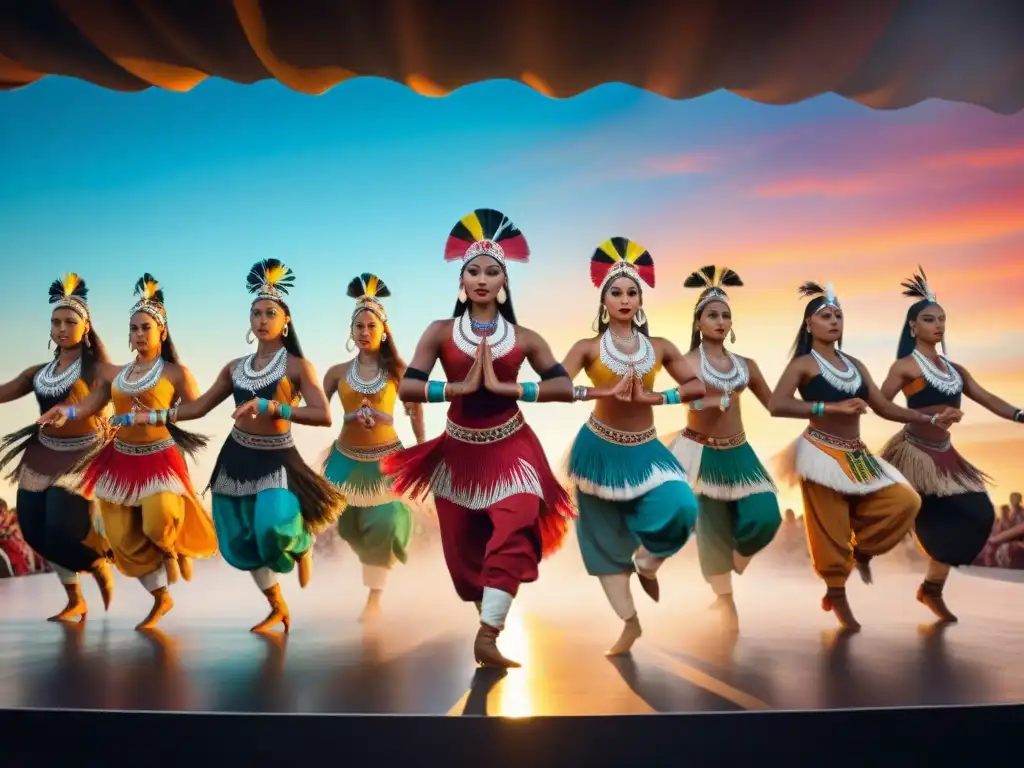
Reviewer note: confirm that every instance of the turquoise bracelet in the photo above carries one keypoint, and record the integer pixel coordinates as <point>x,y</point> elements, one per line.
<point>285,411</point>
<point>435,391</point>
<point>263,406</point>
<point>530,391</point>
<point>671,397</point>
<point>817,409</point>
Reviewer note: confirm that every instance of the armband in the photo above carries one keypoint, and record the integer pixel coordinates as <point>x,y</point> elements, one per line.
<point>671,397</point>
<point>1019,416</point>
<point>529,391</point>
<point>416,374</point>
<point>556,371</point>
<point>436,391</point>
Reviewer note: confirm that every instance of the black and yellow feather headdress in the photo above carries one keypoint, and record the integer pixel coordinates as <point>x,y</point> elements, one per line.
<point>70,292</point>
<point>621,257</point>
<point>712,281</point>
<point>270,280</point>
<point>486,232</point>
<point>368,290</point>
<point>150,299</point>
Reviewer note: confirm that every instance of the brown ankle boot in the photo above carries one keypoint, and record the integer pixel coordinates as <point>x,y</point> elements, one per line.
<point>836,602</point>
<point>485,649</point>
<point>185,567</point>
<point>76,607</point>
<point>171,569</point>
<point>103,574</point>
<point>278,611</point>
<point>162,604</point>
<point>305,568</point>
<point>631,632</point>
<point>929,594</point>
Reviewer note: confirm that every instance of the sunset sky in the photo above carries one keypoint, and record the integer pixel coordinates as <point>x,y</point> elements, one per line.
<point>370,177</point>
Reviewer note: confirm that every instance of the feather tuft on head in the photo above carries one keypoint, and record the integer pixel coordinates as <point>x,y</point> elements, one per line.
<point>917,287</point>
<point>620,256</point>
<point>369,286</point>
<point>811,290</point>
<point>148,289</point>
<point>70,291</point>
<point>270,278</point>
<point>712,280</point>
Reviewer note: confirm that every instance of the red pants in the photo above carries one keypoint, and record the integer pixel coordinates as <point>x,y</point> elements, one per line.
<point>497,547</point>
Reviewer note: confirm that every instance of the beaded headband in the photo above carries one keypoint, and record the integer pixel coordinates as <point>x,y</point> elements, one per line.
<point>151,299</point>
<point>70,292</point>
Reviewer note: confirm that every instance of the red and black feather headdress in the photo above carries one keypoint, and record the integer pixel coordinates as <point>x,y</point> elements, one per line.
<point>486,232</point>
<point>713,281</point>
<point>621,257</point>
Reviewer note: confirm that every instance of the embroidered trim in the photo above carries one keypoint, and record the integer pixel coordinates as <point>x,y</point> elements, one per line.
<point>263,442</point>
<point>841,443</point>
<point>523,479</point>
<point>941,445</point>
<point>718,443</point>
<point>63,444</point>
<point>370,453</point>
<point>487,435</point>
<point>224,485</point>
<point>618,436</point>
<point>131,449</point>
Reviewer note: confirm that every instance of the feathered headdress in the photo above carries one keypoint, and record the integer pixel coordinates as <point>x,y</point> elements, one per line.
<point>712,280</point>
<point>621,257</point>
<point>150,298</point>
<point>270,280</point>
<point>70,292</point>
<point>486,232</point>
<point>812,291</point>
<point>367,290</point>
<point>917,287</point>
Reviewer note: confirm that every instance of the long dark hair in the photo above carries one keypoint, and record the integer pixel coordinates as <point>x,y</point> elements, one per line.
<point>290,341</point>
<point>705,278</point>
<point>602,326</point>
<point>506,310</point>
<point>92,352</point>
<point>915,287</point>
<point>804,340</point>
<point>71,292</point>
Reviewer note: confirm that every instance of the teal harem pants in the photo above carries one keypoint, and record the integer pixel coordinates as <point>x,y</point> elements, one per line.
<point>635,508</point>
<point>739,509</point>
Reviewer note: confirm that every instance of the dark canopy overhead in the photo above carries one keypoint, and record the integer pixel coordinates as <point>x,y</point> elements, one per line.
<point>885,54</point>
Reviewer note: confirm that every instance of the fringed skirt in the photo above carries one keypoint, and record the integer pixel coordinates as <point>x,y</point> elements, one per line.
<point>956,515</point>
<point>619,466</point>
<point>249,464</point>
<point>477,468</point>
<point>726,469</point>
<point>48,461</point>
<point>356,473</point>
<point>845,466</point>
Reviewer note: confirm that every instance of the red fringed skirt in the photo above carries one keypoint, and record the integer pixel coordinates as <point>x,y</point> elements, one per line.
<point>125,474</point>
<point>478,467</point>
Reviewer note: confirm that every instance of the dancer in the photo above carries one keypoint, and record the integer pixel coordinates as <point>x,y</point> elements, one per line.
<point>635,507</point>
<point>150,511</point>
<point>956,515</point>
<point>375,523</point>
<point>856,506</point>
<point>56,519</point>
<point>739,510</point>
<point>499,507</point>
<point>267,503</point>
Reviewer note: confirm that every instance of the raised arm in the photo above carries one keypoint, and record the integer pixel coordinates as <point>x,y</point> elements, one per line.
<point>889,411</point>
<point>987,400</point>
<point>197,407</point>
<point>413,388</point>
<point>783,401</point>
<point>758,385</point>
<point>19,386</point>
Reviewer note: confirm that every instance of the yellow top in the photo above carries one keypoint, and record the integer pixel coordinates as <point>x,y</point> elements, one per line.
<point>158,397</point>
<point>353,433</point>
<point>600,376</point>
<point>78,392</point>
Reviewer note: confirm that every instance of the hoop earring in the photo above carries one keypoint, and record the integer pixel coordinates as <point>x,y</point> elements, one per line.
<point>605,317</point>
<point>502,295</point>
<point>350,345</point>
<point>640,317</point>
<point>913,333</point>
<point>284,333</point>
<point>463,298</point>
<point>249,338</point>
<point>383,338</point>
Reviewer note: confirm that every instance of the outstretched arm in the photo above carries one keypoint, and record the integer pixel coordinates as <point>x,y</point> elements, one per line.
<point>887,409</point>
<point>19,386</point>
<point>987,400</point>
<point>198,406</point>
<point>758,385</point>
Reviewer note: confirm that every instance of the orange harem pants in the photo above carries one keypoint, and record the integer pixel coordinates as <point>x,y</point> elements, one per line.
<point>838,526</point>
<point>498,547</point>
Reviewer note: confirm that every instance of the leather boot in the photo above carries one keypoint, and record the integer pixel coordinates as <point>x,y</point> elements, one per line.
<point>104,576</point>
<point>929,594</point>
<point>485,649</point>
<point>631,632</point>
<point>279,613</point>
<point>162,604</point>
<point>76,607</point>
<point>836,602</point>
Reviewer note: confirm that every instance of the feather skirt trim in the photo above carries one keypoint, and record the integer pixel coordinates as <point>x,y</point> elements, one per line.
<point>933,469</point>
<point>724,474</point>
<point>618,471</point>
<point>48,461</point>
<point>124,475</point>
<point>361,482</point>
<point>844,466</point>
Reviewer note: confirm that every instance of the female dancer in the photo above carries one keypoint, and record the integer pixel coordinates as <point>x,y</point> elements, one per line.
<point>739,511</point>
<point>635,508</point>
<point>375,523</point>
<point>499,507</point>
<point>267,503</point>
<point>856,506</point>
<point>956,515</point>
<point>56,519</point>
<point>151,513</point>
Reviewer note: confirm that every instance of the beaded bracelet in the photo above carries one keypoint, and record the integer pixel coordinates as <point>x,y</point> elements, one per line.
<point>697,405</point>
<point>818,409</point>
<point>529,391</point>
<point>671,397</point>
<point>70,415</point>
<point>579,393</point>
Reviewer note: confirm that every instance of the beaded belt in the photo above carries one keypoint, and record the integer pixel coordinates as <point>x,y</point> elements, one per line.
<point>735,441</point>
<point>131,449</point>
<point>370,453</point>
<point>940,445</point>
<point>842,443</point>
<point>79,443</point>
<point>619,436</point>
<point>487,435</point>
<point>263,442</point>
